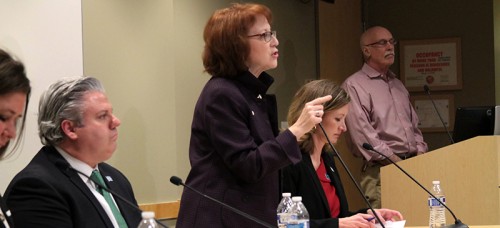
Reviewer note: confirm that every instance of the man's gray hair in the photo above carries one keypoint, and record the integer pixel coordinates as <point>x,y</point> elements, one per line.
<point>63,100</point>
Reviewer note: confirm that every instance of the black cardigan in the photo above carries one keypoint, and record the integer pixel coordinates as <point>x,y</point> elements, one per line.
<point>301,180</point>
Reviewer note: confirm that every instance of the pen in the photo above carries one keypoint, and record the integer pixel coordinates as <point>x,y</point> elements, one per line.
<point>370,219</point>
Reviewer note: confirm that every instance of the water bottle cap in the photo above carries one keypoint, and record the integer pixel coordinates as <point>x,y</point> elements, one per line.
<point>436,182</point>
<point>297,198</point>
<point>148,214</point>
<point>286,194</point>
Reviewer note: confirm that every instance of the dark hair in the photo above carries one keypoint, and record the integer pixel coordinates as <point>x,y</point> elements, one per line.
<point>13,79</point>
<point>226,42</point>
<point>309,92</point>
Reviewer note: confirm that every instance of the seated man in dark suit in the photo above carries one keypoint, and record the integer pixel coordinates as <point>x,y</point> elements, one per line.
<point>79,131</point>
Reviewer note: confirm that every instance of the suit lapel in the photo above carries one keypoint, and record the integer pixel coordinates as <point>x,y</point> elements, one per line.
<point>74,178</point>
<point>113,184</point>
<point>317,185</point>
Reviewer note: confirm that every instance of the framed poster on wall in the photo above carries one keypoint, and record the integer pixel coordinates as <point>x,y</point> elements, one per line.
<point>435,62</point>
<point>429,118</point>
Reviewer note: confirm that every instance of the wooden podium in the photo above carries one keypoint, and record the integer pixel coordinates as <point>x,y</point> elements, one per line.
<point>470,177</point>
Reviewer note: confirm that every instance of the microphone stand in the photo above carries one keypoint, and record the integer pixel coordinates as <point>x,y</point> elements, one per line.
<point>115,194</point>
<point>351,176</point>
<point>178,181</point>
<point>428,92</point>
<point>458,223</point>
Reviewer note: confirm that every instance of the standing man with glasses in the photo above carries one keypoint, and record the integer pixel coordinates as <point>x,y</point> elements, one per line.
<point>381,112</point>
<point>79,130</point>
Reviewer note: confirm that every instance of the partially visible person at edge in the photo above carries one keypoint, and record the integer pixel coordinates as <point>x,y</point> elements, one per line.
<point>236,150</point>
<point>316,178</point>
<point>57,188</point>
<point>15,91</point>
<point>381,112</point>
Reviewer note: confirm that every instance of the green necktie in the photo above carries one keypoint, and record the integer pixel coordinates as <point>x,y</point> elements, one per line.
<point>97,177</point>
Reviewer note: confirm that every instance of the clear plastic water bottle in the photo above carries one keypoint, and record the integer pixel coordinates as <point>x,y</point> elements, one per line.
<point>437,216</point>
<point>283,211</point>
<point>299,217</point>
<point>148,220</point>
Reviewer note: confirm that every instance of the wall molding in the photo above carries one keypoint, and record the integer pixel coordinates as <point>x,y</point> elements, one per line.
<point>165,210</point>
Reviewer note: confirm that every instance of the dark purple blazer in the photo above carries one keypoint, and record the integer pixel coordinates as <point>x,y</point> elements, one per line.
<point>48,194</point>
<point>236,152</point>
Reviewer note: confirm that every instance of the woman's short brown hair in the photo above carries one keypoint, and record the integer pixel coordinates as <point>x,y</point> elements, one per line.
<point>226,42</point>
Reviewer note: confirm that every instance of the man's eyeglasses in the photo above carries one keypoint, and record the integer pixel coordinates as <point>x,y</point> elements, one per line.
<point>383,43</point>
<point>266,36</point>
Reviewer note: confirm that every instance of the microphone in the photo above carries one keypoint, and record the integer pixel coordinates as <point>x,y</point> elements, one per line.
<point>458,223</point>
<point>67,166</point>
<point>178,181</point>
<point>428,92</point>
<point>351,176</point>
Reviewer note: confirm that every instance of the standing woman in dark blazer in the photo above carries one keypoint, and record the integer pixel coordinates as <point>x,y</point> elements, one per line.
<point>316,178</point>
<point>14,96</point>
<point>236,149</point>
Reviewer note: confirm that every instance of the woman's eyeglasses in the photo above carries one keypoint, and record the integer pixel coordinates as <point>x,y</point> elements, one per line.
<point>266,36</point>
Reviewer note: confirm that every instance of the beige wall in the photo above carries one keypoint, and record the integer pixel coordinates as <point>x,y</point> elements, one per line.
<point>127,44</point>
<point>47,37</point>
<point>148,55</point>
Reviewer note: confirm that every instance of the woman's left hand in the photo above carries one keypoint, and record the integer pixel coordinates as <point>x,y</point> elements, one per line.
<point>387,214</point>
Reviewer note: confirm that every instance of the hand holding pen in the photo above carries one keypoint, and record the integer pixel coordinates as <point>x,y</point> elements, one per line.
<point>357,220</point>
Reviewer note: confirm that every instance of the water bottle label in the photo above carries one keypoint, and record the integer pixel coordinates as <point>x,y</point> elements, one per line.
<point>302,224</point>
<point>433,202</point>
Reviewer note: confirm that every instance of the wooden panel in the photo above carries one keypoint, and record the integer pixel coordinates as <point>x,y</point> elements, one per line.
<point>167,210</point>
<point>469,174</point>
<point>340,56</point>
<point>338,36</point>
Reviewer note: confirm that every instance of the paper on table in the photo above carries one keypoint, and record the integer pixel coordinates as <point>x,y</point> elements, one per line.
<point>391,224</point>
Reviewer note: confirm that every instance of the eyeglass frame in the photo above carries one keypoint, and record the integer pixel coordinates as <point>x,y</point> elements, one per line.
<point>269,34</point>
<point>382,43</point>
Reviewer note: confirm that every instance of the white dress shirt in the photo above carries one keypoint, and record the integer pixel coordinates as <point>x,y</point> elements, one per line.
<point>87,170</point>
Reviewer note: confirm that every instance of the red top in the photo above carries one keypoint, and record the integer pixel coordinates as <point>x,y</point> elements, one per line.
<point>329,189</point>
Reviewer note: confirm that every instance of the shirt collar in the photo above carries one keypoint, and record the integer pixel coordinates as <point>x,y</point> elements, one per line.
<point>372,73</point>
<point>77,164</point>
<point>258,84</point>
